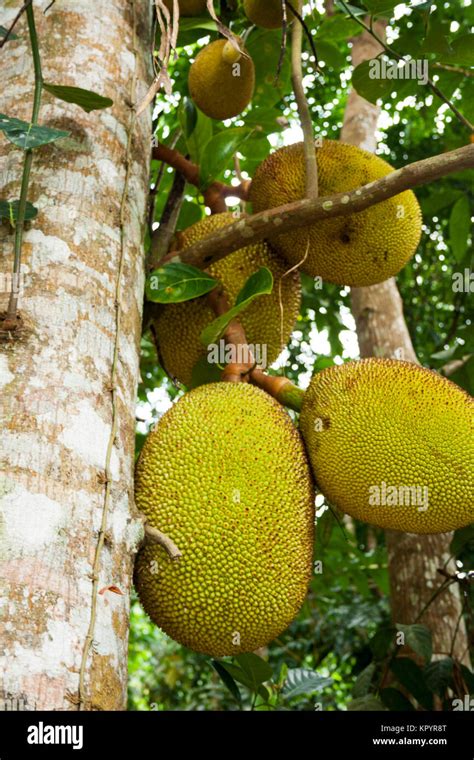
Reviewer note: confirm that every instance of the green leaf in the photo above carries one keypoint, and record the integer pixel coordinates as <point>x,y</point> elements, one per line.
<point>204,373</point>
<point>175,283</point>
<point>395,700</point>
<point>258,284</point>
<point>87,100</point>
<point>381,641</point>
<point>239,675</point>
<point>4,32</point>
<point>337,29</point>
<point>461,539</point>
<point>460,227</point>
<point>264,48</point>
<point>255,667</point>
<point>228,681</point>
<point>439,197</point>
<point>187,117</point>
<point>381,7</point>
<point>410,675</point>
<point>368,86</point>
<point>438,675</point>
<point>418,637</point>
<point>303,681</point>
<point>366,704</point>
<point>197,22</point>
<point>9,210</point>
<point>26,135</point>
<point>462,51</point>
<point>364,680</point>
<point>199,134</point>
<point>218,151</point>
<point>331,54</point>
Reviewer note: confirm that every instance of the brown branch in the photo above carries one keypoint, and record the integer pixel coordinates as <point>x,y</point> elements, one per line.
<point>307,211</point>
<point>154,536</point>
<point>303,108</point>
<point>161,237</point>
<point>216,192</point>
<point>451,367</point>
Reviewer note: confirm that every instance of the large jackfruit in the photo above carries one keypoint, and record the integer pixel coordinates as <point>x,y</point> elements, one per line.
<point>224,475</point>
<point>178,326</point>
<point>267,14</point>
<point>360,249</point>
<point>392,444</point>
<point>218,84</point>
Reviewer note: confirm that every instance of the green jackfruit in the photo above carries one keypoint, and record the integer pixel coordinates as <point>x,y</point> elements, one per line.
<point>265,13</point>
<point>225,476</point>
<point>177,327</point>
<point>359,249</point>
<point>392,444</point>
<point>219,86</point>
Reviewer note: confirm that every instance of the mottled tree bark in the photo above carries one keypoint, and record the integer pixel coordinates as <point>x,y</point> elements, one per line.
<point>68,379</point>
<point>382,331</point>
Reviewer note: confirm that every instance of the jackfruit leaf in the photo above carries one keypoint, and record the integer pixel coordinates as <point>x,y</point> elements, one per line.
<point>368,87</point>
<point>303,681</point>
<point>87,100</point>
<point>377,7</point>
<point>199,134</point>
<point>264,119</point>
<point>436,37</point>
<point>204,373</point>
<point>439,197</point>
<point>331,54</point>
<point>242,677</point>
<point>337,28</point>
<point>369,703</point>
<point>364,680</point>
<point>175,283</point>
<point>187,117</point>
<point>462,51</point>
<point>381,641</point>
<point>218,151</point>
<point>255,667</point>
<point>418,637</point>
<point>9,210</point>
<point>395,701</point>
<point>410,675</point>
<point>438,675</point>
<point>353,9</point>
<point>228,681</point>
<point>4,32</point>
<point>461,539</point>
<point>459,227</point>
<point>26,135</point>
<point>198,22</point>
<point>258,284</point>
<point>264,48</point>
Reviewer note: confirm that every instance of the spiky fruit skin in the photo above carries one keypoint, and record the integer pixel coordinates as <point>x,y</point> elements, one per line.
<point>265,13</point>
<point>382,421</point>
<point>225,476</point>
<point>358,250</point>
<point>178,326</point>
<point>188,7</point>
<point>221,89</point>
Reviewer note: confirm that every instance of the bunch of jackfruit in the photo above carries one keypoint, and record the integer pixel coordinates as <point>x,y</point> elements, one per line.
<point>226,474</point>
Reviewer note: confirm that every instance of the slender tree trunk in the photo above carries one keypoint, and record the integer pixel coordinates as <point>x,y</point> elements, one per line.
<point>382,331</point>
<point>68,379</point>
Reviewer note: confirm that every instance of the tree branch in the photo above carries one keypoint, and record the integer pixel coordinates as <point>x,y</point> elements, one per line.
<point>155,536</point>
<point>307,211</point>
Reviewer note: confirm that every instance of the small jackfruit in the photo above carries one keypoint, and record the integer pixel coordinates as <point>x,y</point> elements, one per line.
<point>266,13</point>
<point>178,326</point>
<point>361,249</point>
<point>392,444</point>
<point>219,86</point>
<point>225,476</point>
<point>188,7</point>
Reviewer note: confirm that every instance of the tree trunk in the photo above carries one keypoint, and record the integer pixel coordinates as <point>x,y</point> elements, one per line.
<point>68,379</point>
<point>382,331</point>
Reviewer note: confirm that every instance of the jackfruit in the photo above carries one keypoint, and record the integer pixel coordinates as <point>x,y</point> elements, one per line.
<point>361,249</point>
<point>188,7</point>
<point>392,444</point>
<point>178,326</point>
<point>220,87</point>
<point>225,476</point>
<point>265,13</point>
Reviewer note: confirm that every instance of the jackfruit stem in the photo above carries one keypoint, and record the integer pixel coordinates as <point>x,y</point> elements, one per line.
<point>303,107</point>
<point>155,536</point>
<point>282,389</point>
